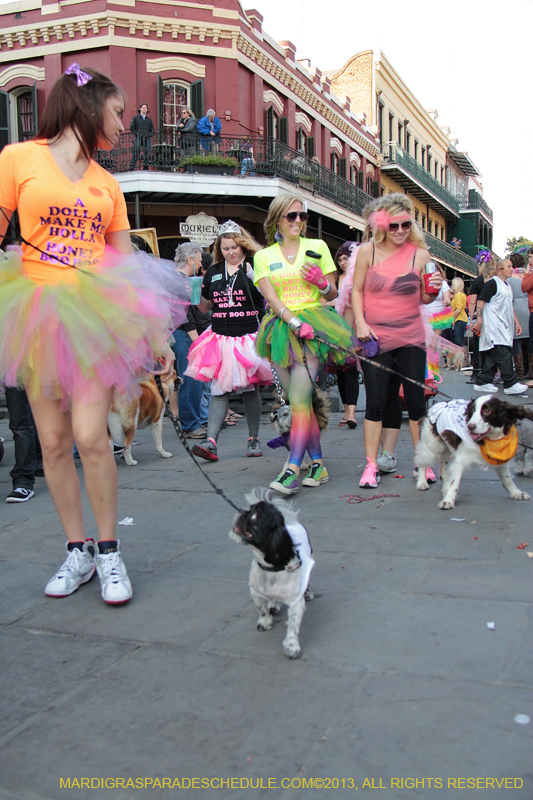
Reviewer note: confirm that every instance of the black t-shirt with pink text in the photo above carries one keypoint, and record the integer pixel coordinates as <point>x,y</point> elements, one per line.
<point>238,307</point>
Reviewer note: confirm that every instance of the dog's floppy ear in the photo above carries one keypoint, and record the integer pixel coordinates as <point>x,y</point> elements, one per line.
<point>511,413</point>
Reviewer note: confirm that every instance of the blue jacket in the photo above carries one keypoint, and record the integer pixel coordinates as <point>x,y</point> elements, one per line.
<point>204,128</point>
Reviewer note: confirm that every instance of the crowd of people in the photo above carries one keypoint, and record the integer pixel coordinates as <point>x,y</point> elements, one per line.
<point>78,325</point>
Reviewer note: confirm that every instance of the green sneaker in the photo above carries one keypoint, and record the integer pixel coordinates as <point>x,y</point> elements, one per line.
<point>316,475</point>
<point>286,482</point>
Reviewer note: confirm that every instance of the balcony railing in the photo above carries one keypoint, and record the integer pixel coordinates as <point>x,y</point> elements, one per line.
<point>451,255</point>
<point>474,201</point>
<point>167,152</point>
<point>394,154</point>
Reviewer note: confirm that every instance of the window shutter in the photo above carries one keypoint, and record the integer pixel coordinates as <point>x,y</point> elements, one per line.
<point>4,119</point>
<point>270,123</point>
<point>342,167</point>
<point>197,98</point>
<point>160,104</point>
<point>310,146</point>
<point>283,130</point>
<point>34,108</point>
<point>360,180</point>
<point>376,188</point>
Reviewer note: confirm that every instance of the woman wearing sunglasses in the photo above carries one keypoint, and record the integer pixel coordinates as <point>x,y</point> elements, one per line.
<point>293,274</point>
<point>387,291</point>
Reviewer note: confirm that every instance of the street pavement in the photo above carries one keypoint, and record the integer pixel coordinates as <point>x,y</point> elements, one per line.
<point>402,687</point>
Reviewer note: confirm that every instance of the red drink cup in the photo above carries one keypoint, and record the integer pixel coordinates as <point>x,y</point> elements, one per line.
<point>429,271</point>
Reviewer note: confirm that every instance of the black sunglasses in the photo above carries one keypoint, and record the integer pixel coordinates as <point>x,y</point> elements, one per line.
<point>395,226</point>
<point>292,216</point>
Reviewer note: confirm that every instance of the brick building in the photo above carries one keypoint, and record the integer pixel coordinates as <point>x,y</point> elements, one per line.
<point>178,54</point>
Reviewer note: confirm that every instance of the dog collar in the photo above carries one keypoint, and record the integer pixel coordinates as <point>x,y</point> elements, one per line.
<point>500,451</point>
<point>287,567</point>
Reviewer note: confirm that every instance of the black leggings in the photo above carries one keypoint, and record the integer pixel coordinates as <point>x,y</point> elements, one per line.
<point>348,383</point>
<point>382,388</point>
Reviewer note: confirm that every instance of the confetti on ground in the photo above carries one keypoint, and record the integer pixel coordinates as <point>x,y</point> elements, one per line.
<point>127,521</point>
<point>397,476</point>
<point>522,546</point>
<point>530,555</point>
<point>491,626</point>
<point>458,519</point>
<point>473,523</point>
<point>522,719</point>
<point>475,537</point>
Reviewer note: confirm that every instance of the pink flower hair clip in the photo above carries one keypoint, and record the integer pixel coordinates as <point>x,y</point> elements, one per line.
<point>380,220</point>
<point>81,77</point>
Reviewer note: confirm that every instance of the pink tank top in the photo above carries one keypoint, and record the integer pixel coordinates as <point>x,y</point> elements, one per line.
<point>391,301</point>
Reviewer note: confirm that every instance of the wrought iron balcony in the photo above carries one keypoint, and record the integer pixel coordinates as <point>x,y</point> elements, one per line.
<point>475,202</point>
<point>167,152</point>
<point>451,255</point>
<point>416,180</point>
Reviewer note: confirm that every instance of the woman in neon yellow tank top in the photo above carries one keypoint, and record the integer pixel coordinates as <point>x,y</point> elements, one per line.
<point>293,281</point>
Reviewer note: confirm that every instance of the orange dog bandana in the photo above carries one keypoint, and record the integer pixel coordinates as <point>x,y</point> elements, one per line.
<point>500,451</point>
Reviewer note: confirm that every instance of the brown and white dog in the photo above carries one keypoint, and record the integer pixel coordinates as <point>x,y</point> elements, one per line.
<point>454,433</point>
<point>126,415</point>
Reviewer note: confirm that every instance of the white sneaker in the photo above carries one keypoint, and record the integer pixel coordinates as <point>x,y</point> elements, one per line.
<point>387,462</point>
<point>516,388</point>
<point>116,586</point>
<point>79,567</point>
<point>485,387</point>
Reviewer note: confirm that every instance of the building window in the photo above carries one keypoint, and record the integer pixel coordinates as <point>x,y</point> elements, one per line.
<point>271,123</point>
<point>353,175</point>
<point>429,161</point>
<point>342,168</point>
<point>436,170</point>
<point>175,99</point>
<point>301,139</point>
<point>391,134</point>
<point>407,142</point>
<point>382,190</point>
<point>369,185</point>
<point>310,146</point>
<point>442,232</point>
<point>423,157</point>
<point>334,163</point>
<point>416,151</point>
<point>423,222</point>
<point>442,175</point>
<point>400,130</point>
<point>380,124</point>
<point>417,214</point>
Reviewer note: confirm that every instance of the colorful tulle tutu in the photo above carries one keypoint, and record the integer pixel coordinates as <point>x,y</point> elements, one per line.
<point>278,343</point>
<point>102,322</point>
<point>441,320</point>
<point>229,362</point>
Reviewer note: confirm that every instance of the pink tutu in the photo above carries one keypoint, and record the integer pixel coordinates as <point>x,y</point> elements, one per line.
<point>99,326</point>
<point>229,362</point>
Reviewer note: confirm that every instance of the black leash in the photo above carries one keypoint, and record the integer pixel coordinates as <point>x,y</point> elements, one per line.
<point>183,440</point>
<point>377,364</point>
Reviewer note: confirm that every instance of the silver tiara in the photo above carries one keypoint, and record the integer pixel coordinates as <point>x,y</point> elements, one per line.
<point>229,227</point>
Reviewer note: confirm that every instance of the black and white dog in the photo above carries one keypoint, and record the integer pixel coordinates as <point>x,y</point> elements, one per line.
<point>454,433</point>
<point>282,561</point>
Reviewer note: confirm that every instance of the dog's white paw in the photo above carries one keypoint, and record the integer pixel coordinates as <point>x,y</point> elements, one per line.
<point>130,461</point>
<point>521,496</point>
<point>422,485</point>
<point>446,504</point>
<point>164,454</point>
<point>265,623</point>
<point>291,647</point>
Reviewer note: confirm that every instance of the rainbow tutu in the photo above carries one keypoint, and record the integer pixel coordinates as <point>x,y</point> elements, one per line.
<point>441,320</point>
<point>278,343</point>
<point>105,322</point>
<point>229,362</point>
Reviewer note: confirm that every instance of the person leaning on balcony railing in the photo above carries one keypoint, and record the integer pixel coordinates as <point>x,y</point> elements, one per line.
<point>387,291</point>
<point>209,128</point>
<point>186,129</point>
<point>143,129</point>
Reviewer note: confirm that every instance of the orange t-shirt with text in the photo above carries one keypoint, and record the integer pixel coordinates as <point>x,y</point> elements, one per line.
<point>67,221</point>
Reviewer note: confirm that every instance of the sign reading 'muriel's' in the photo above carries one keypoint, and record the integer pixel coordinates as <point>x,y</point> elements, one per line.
<point>200,228</point>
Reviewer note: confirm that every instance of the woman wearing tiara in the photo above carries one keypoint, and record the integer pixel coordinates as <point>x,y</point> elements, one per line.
<point>80,313</point>
<point>224,354</point>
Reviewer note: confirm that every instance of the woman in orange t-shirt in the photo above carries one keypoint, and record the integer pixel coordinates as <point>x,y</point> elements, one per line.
<point>77,322</point>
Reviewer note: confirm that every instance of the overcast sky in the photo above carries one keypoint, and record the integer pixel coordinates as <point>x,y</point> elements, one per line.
<point>470,60</point>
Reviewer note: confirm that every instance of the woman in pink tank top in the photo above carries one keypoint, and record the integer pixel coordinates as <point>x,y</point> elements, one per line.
<point>388,289</point>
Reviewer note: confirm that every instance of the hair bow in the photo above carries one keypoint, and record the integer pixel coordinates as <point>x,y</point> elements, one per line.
<point>81,77</point>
